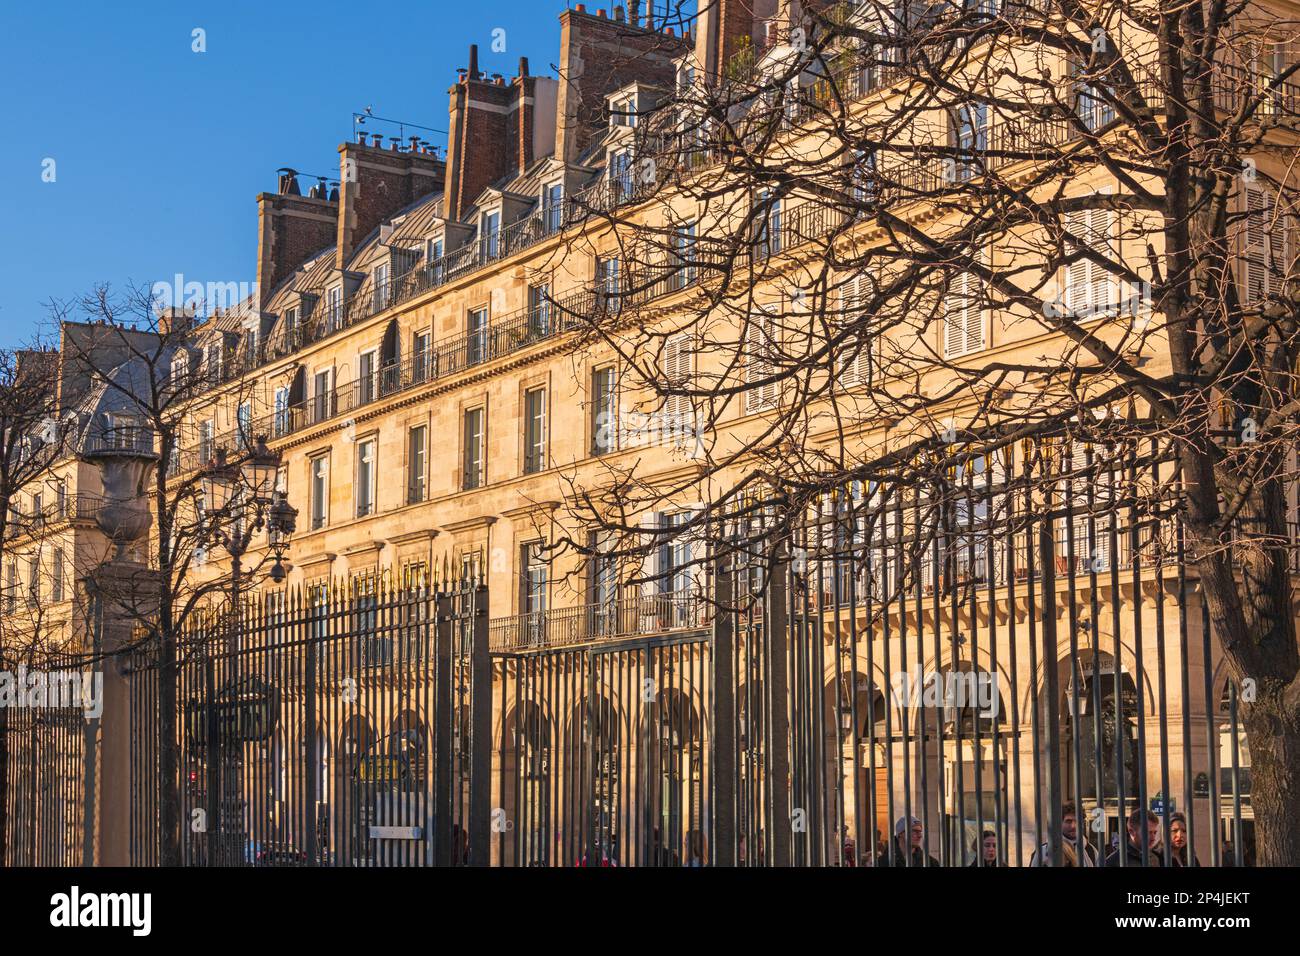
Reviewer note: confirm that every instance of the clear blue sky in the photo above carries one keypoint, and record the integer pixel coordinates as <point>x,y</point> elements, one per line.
<point>160,151</point>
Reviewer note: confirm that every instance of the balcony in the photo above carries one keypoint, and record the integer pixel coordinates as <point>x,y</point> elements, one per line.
<point>631,614</point>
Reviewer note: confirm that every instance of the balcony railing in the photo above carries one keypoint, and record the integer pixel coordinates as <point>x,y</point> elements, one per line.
<point>631,614</point>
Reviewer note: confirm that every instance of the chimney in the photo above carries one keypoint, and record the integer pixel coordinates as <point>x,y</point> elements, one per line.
<point>291,228</point>
<point>722,27</point>
<point>597,57</point>
<point>375,183</point>
<point>173,319</point>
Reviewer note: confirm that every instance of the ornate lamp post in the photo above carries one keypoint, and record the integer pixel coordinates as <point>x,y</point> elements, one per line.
<point>247,491</point>
<point>243,494</point>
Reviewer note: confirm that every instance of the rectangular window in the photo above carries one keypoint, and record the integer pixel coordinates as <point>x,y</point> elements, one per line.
<point>604,411</point>
<point>334,308</point>
<point>684,267</point>
<point>56,576</point>
<point>963,316</point>
<point>1089,285</point>
<point>679,375</point>
<point>609,283</point>
<point>767,216</point>
<point>11,587</point>
<point>281,411</point>
<point>417,452</point>
<point>854,362</point>
<point>533,581</point>
<point>367,377</point>
<point>381,286</point>
<point>476,332</point>
<point>553,207</point>
<point>421,345</point>
<point>61,498</point>
<point>620,175</point>
<point>320,491</point>
<point>534,430</point>
<point>244,422</point>
<point>603,586</point>
<point>760,366</point>
<point>472,472</point>
<point>433,255</point>
<point>490,238</point>
<point>539,310</point>
<point>366,476</point>
<point>323,400</point>
<point>33,582</point>
<point>970,139</point>
<point>207,442</point>
<point>1265,245</point>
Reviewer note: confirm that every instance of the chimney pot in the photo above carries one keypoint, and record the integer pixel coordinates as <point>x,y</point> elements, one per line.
<point>394,143</point>
<point>619,14</point>
<point>473,61</point>
<point>582,8</point>
<point>600,13</point>
<point>361,137</point>
<point>377,140</point>
<point>670,31</point>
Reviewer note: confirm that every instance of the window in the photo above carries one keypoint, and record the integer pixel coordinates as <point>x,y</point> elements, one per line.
<point>620,175</point>
<point>534,430</point>
<point>334,308</point>
<point>604,411</point>
<point>1092,102</point>
<point>417,453</point>
<point>281,411</point>
<point>33,581</point>
<point>760,350</point>
<point>38,505</point>
<point>553,207</point>
<point>212,362</point>
<point>684,255</point>
<point>244,425</point>
<point>320,491</point>
<point>853,361</point>
<point>472,472</point>
<point>11,587</point>
<point>539,310</point>
<point>970,139</point>
<point>490,235</point>
<point>421,344</point>
<point>533,575</point>
<point>476,329</point>
<point>863,174</point>
<point>1088,284</point>
<point>1264,244</point>
<point>207,443</point>
<point>56,576</point>
<point>433,256</point>
<point>963,317</point>
<point>381,286</point>
<point>180,369</point>
<point>323,400</point>
<point>367,377</point>
<point>61,498</point>
<point>679,373</point>
<point>603,588</point>
<point>674,571</point>
<point>767,216</point>
<point>622,112</point>
<point>608,282</point>
<point>291,326</point>
<point>366,477</point>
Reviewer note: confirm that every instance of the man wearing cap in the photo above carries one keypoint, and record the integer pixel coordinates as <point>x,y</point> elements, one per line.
<point>908,831</point>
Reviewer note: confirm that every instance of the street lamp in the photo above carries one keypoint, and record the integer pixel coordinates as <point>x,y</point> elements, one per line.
<point>247,488</point>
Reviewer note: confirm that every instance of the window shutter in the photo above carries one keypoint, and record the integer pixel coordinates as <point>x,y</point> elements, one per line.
<point>1101,236</point>
<point>1078,272</point>
<point>1265,244</point>
<point>853,367</point>
<point>963,318</point>
<point>759,367</point>
<point>678,370</point>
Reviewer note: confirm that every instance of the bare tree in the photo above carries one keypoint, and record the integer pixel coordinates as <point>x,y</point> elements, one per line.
<point>143,373</point>
<point>868,203</point>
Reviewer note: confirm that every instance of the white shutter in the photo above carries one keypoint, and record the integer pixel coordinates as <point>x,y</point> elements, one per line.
<point>1265,244</point>
<point>852,367</point>
<point>963,325</point>
<point>678,372</point>
<point>759,367</point>
<point>1078,272</point>
<point>1101,237</point>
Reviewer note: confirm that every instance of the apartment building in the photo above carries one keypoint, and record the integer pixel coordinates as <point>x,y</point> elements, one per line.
<point>411,356</point>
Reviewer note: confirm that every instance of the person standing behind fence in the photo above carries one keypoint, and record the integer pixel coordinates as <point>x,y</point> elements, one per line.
<point>986,850</point>
<point>1142,824</point>
<point>1075,850</point>
<point>1180,853</point>
<point>913,853</point>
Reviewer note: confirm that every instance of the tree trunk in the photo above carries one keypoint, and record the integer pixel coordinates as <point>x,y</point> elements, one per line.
<point>1273,734</point>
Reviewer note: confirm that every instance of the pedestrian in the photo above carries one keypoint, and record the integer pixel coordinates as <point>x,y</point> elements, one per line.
<point>695,848</point>
<point>985,849</point>
<point>1180,853</point>
<point>848,853</point>
<point>1075,849</point>
<point>909,839</point>
<point>1142,825</point>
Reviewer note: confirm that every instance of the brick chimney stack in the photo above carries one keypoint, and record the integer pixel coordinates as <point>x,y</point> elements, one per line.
<point>291,228</point>
<point>599,55</point>
<point>723,26</point>
<point>497,129</point>
<point>375,184</point>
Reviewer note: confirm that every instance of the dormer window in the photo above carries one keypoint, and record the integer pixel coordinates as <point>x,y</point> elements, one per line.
<point>334,307</point>
<point>622,111</point>
<point>553,207</point>
<point>620,174</point>
<point>381,286</point>
<point>490,235</point>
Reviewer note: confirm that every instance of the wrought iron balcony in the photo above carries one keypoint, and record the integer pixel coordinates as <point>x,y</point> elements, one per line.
<point>633,613</point>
